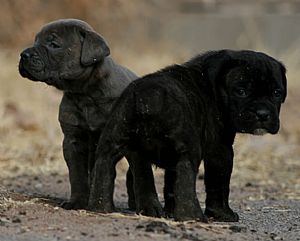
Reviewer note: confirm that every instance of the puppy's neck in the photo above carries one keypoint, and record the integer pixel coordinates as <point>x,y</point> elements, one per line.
<point>102,81</point>
<point>103,69</point>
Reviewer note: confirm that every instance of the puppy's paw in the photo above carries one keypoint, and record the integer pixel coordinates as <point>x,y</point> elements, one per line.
<point>169,208</point>
<point>74,204</point>
<point>131,204</point>
<point>189,212</point>
<point>151,207</point>
<point>101,206</point>
<point>221,214</point>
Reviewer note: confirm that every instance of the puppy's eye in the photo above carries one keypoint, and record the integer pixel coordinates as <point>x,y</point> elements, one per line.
<point>54,45</point>
<point>277,93</point>
<point>241,92</point>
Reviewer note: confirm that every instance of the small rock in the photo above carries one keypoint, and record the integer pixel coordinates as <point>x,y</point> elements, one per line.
<point>237,229</point>
<point>247,208</point>
<point>139,226</point>
<point>4,220</point>
<point>274,236</point>
<point>38,185</point>
<point>16,220</point>
<point>22,212</point>
<point>24,229</point>
<point>157,227</point>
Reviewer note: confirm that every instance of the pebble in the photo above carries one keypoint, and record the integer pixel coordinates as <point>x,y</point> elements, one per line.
<point>16,220</point>
<point>238,229</point>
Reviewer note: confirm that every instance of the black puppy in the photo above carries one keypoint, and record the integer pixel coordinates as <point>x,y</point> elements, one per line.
<point>180,115</point>
<point>71,56</point>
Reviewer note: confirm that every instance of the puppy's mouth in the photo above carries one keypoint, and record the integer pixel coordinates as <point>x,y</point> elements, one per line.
<point>31,64</point>
<point>25,73</point>
<point>260,132</point>
<point>31,70</point>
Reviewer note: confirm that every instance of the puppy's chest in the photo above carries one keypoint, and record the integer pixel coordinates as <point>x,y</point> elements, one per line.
<point>86,112</point>
<point>95,111</point>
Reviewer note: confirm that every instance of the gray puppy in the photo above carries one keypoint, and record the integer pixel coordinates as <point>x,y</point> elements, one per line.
<point>71,56</point>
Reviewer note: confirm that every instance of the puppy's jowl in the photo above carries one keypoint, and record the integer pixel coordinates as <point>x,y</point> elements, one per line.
<point>71,56</point>
<point>181,115</point>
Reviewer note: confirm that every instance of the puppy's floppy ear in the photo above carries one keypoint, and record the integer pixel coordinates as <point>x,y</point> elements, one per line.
<point>94,48</point>
<point>217,63</point>
<point>284,80</point>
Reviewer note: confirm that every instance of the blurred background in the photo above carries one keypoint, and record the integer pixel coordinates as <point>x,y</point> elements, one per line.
<point>146,35</point>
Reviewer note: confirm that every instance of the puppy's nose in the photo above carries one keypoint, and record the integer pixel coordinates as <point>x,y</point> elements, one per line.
<point>263,115</point>
<point>25,55</point>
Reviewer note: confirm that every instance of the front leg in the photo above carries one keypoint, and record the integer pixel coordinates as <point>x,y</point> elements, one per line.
<point>75,150</point>
<point>218,167</point>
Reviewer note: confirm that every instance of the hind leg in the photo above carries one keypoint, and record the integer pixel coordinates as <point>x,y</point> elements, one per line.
<point>93,140</point>
<point>187,206</point>
<point>147,202</point>
<point>102,188</point>
<point>170,177</point>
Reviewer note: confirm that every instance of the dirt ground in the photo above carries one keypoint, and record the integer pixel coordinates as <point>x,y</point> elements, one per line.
<point>265,186</point>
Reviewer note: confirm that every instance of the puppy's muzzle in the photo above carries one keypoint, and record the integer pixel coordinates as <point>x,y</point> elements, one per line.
<point>31,61</point>
<point>259,121</point>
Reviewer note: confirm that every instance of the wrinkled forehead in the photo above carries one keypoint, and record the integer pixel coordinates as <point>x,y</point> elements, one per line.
<point>257,72</point>
<point>65,29</point>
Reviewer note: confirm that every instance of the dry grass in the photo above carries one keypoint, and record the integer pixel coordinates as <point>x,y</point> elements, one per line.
<point>29,132</point>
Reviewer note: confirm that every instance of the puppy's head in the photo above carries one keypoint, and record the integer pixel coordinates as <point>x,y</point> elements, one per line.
<point>64,54</point>
<point>251,86</point>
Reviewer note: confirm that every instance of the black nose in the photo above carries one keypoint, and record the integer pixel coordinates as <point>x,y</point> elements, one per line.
<point>263,115</point>
<point>25,55</point>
